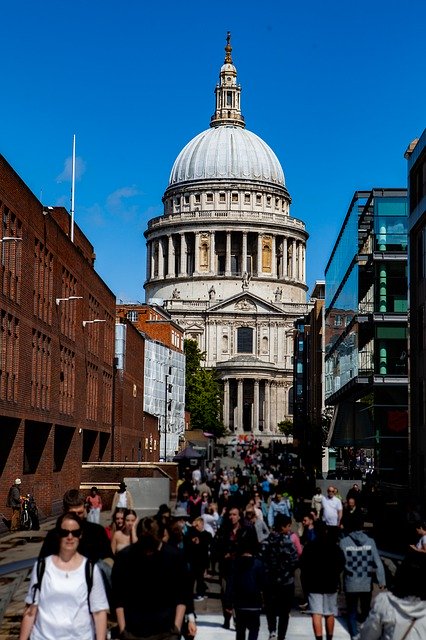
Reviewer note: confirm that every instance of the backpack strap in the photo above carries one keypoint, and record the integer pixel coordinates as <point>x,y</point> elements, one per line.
<point>41,566</point>
<point>88,569</point>
<point>411,625</point>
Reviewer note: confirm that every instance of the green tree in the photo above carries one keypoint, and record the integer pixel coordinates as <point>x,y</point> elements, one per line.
<point>203,397</point>
<point>286,428</point>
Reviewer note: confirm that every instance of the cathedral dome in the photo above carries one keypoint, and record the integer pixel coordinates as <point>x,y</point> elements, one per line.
<point>227,152</point>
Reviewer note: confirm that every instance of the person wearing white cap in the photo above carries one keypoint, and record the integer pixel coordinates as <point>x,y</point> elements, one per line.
<point>14,502</point>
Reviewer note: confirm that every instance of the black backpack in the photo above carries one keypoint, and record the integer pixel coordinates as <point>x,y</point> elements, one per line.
<point>41,567</point>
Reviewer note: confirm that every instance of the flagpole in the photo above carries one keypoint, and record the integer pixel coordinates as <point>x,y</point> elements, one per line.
<point>72,188</point>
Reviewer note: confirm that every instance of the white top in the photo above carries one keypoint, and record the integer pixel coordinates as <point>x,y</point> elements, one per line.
<point>421,543</point>
<point>122,500</point>
<point>63,611</point>
<point>331,507</point>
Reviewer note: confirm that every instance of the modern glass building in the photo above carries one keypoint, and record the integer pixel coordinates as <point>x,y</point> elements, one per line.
<point>366,336</point>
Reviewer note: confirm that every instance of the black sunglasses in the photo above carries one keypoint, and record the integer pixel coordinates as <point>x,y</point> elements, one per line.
<point>64,533</point>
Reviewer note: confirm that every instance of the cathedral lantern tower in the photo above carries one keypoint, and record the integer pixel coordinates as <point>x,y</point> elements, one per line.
<point>228,261</point>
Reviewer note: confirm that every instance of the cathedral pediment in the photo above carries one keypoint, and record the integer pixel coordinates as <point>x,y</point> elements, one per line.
<point>245,302</point>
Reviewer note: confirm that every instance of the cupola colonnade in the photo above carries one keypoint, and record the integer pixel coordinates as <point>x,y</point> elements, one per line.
<point>226,253</point>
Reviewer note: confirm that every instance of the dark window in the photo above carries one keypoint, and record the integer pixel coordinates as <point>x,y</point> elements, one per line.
<point>245,340</point>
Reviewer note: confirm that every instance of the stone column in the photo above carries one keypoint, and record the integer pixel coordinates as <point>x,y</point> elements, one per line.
<point>160,258</point>
<point>228,254</point>
<point>170,258</point>
<point>293,260</point>
<point>285,258</point>
<point>274,256</point>
<point>300,274</point>
<point>153,247</point>
<point>273,412</point>
<point>304,263</point>
<point>256,407</point>
<point>226,404</point>
<point>267,407</point>
<point>148,260</point>
<point>244,253</point>
<point>182,269</point>
<point>259,254</point>
<point>212,252</point>
<point>197,253</point>
<point>240,405</point>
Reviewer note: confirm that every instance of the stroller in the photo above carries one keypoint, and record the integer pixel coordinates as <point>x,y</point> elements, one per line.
<point>29,514</point>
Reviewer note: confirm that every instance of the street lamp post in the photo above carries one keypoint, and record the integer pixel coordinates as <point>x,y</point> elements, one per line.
<point>58,300</point>
<point>8,239</point>
<point>95,321</point>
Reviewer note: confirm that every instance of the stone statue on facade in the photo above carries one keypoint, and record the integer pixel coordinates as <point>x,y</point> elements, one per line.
<point>245,281</point>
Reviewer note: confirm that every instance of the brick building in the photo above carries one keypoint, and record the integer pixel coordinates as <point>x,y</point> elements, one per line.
<point>57,320</point>
<point>135,432</point>
<point>154,321</point>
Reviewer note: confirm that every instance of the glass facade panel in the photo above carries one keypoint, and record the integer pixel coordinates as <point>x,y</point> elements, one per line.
<point>345,251</point>
<point>391,286</point>
<point>390,224</point>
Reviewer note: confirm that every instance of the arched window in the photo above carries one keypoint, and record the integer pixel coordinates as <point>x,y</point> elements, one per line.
<point>244,340</point>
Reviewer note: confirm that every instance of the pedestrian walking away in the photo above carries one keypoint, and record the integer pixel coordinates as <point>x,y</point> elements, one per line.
<point>280,559</point>
<point>245,585</point>
<point>321,564</point>
<point>400,614</point>
<point>150,587</point>
<point>362,563</point>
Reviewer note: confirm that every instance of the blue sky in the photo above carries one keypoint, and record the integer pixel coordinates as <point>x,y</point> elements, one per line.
<point>335,88</point>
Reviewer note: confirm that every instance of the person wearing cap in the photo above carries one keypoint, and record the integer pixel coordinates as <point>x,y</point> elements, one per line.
<point>14,502</point>
<point>122,498</point>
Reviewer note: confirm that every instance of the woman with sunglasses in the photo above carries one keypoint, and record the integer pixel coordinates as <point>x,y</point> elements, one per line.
<point>59,603</point>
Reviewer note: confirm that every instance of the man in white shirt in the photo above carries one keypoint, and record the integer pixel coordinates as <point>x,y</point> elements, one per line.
<point>332,510</point>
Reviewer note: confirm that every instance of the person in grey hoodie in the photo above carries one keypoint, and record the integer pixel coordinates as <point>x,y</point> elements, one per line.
<point>362,561</point>
<point>400,614</point>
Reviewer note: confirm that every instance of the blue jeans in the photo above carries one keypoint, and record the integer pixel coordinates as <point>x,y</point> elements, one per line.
<point>352,600</point>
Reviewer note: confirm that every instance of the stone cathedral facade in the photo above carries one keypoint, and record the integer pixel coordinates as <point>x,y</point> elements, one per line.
<point>229,262</point>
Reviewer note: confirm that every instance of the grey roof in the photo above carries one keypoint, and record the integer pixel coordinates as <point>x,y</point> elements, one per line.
<point>227,152</point>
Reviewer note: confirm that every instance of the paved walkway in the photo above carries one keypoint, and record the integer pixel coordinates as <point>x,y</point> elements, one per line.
<point>300,628</point>
<point>20,548</point>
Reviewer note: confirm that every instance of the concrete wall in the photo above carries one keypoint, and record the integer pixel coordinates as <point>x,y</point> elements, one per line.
<point>148,494</point>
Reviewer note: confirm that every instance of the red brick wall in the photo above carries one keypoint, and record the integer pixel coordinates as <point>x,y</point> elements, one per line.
<point>52,231</point>
<point>161,328</point>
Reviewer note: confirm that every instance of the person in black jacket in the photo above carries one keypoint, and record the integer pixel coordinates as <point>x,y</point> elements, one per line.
<point>280,557</point>
<point>321,564</point>
<point>150,586</point>
<point>245,585</point>
<point>94,543</point>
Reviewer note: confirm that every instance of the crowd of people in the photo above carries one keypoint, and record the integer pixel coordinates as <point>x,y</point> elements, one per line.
<point>249,527</point>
